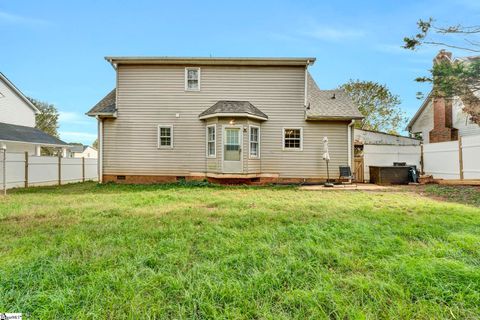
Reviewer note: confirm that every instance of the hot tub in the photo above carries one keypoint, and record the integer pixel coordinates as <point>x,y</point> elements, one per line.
<point>385,175</point>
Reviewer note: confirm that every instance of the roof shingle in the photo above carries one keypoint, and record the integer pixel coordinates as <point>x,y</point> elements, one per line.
<point>233,107</point>
<point>105,106</point>
<point>329,104</point>
<point>12,132</point>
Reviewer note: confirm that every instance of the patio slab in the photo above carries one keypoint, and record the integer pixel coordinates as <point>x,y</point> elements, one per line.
<point>360,186</point>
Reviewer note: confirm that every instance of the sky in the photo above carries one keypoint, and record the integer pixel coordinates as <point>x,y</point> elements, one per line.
<point>54,50</point>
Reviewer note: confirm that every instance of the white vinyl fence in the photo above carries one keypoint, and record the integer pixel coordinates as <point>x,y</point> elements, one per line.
<point>441,160</point>
<point>24,170</point>
<point>457,160</point>
<point>386,155</point>
<point>471,157</point>
<point>453,159</point>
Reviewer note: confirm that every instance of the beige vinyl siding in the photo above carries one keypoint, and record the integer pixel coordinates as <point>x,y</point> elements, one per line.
<point>150,95</point>
<point>213,164</point>
<point>254,165</point>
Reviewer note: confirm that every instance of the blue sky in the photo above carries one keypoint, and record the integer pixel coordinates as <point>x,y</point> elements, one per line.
<point>53,50</point>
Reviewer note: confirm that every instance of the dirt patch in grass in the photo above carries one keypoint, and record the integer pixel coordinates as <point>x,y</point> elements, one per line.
<point>468,195</point>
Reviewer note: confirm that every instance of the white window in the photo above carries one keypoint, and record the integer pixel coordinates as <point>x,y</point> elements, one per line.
<point>211,141</point>
<point>165,136</point>
<point>254,135</point>
<point>192,79</point>
<point>292,139</point>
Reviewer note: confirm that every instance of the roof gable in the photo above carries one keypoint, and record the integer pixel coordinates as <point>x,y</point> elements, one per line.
<point>9,84</point>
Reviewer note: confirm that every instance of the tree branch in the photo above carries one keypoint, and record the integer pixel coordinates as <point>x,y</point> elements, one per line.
<point>457,29</point>
<point>451,46</point>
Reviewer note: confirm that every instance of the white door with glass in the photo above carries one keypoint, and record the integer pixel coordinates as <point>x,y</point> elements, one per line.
<point>232,150</point>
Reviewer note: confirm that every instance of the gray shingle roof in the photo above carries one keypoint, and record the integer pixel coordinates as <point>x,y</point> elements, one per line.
<point>233,107</point>
<point>78,148</point>
<point>329,104</point>
<point>12,132</point>
<point>105,106</point>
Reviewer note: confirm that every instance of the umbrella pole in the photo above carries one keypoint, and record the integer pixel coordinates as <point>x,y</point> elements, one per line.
<point>328,173</point>
<point>328,183</point>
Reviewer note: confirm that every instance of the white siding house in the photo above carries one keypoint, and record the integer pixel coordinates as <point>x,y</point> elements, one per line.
<point>441,119</point>
<point>81,151</point>
<point>422,122</point>
<point>15,108</point>
<point>17,122</point>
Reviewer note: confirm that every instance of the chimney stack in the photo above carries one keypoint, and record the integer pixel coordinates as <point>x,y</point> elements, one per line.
<point>442,109</point>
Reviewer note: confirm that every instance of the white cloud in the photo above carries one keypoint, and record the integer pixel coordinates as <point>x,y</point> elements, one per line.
<point>334,34</point>
<point>68,117</point>
<point>391,48</point>
<point>16,19</point>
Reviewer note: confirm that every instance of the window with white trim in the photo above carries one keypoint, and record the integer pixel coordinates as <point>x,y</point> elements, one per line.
<point>211,141</point>
<point>292,138</point>
<point>192,79</point>
<point>254,135</point>
<point>165,136</point>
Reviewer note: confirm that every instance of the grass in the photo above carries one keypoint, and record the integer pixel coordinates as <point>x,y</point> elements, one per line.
<point>461,194</point>
<point>88,251</point>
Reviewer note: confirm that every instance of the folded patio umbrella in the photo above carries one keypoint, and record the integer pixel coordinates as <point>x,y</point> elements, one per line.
<point>326,157</point>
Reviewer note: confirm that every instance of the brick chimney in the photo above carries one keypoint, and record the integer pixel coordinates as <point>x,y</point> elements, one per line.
<point>442,110</point>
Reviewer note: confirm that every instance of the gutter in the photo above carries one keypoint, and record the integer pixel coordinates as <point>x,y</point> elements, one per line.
<point>349,132</point>
<point>38,143</point>
<point>250,61</point>
<point>339,118</point>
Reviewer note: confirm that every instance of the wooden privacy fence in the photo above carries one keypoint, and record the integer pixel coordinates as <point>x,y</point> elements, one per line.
<point>23,170</point>
<point>359,169</point>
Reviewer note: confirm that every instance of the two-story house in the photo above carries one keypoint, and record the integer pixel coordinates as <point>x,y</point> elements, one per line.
<point>224,119</point>
<point>17,122</point>
<point>443,119</point>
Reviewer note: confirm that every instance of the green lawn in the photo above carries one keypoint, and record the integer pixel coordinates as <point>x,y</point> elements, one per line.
<point>90,251</point>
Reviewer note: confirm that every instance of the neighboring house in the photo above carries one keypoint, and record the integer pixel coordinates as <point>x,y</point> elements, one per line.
<point>82,151</point>
<point>440,119</point>
<point>17,122</point>
<point>363,137</point>
<point>257,119</point>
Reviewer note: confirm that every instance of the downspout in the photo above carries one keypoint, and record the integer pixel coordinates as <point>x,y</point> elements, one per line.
<point>306,84</point>
<point>349,130</point>
<point>100,149</point>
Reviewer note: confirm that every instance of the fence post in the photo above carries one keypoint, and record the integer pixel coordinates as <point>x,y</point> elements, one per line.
<point>59,168</point>
<point>4,168</point>
<point>460,157</point>
<point>26,169</point>
<point>421,159</point>
<point>83,169</point>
